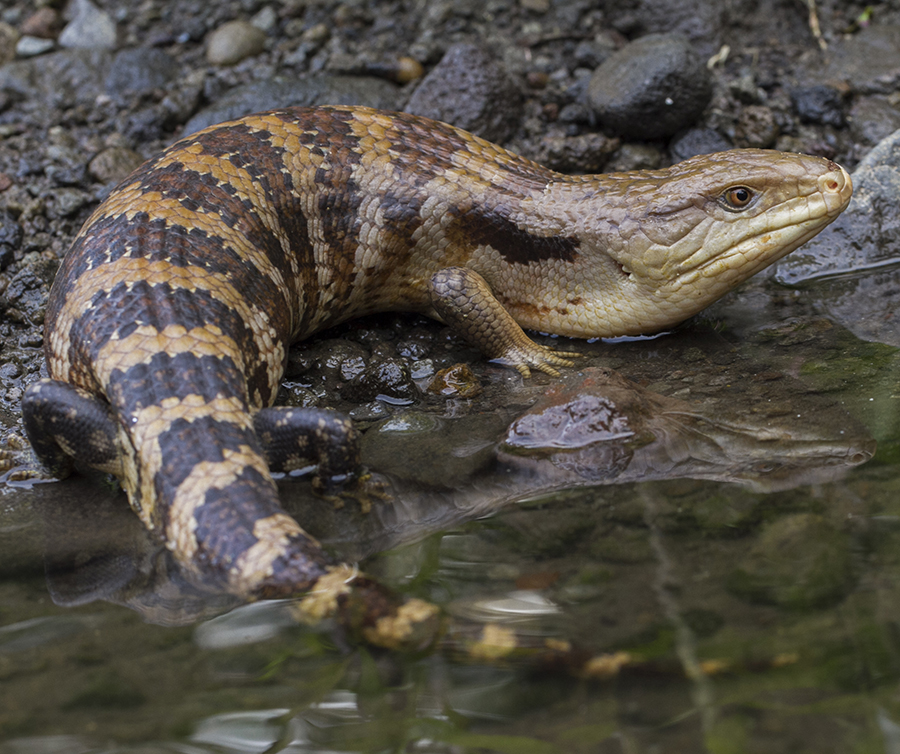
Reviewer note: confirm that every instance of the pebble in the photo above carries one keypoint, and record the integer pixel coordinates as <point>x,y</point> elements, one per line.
<point>45,23</point>
<point>651,88</point>
<point>28,47</point>
<point>819,104</point>
<point>90,27</point>
<point>471,90</point>
<point>696,141</point>
<point>113,164</point>
<point>234,41</point>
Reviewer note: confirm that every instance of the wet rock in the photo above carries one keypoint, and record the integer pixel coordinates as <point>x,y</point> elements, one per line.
<point>867,234</point>
<point>65,76</point>
<point>307,91</point>
<point>113,164</point>
<point>28,47</point>
<point>697,141</point>
<point>471,90</point>
<point>819,104</point>
<point>800,561</point>
<point>652,88</point>
<point>386,379</point>
<point>90,27</point>
<point>234,41</point>
<point>458,381</point>
<point>872,119</point>
<point>139,69</point>
<point>44,23</point>
<point>430,450</point>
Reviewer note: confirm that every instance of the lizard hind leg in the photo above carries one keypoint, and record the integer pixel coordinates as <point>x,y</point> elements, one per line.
<point>70,427</point>
<point>293,438</point>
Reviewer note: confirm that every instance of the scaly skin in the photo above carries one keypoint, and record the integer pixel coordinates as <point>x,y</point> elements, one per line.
<point>170,319</point>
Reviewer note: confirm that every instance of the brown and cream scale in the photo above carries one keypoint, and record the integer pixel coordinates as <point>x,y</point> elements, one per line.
<point>169,321</point>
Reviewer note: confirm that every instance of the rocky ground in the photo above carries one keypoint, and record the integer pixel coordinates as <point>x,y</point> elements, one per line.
<point>89,91</point>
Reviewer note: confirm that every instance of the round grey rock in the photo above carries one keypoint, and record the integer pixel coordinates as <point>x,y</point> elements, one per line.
<point>471,90</point>
<point>234,41</point>
<point>651,88</point>
<point>90,27</point>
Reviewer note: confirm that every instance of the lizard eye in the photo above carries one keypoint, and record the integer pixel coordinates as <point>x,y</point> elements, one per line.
<point>737,198</point>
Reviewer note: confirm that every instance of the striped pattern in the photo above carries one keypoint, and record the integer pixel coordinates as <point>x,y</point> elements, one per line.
<point>179,298</point>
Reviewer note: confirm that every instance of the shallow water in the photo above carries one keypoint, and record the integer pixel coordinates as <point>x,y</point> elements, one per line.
<point>732,535</point>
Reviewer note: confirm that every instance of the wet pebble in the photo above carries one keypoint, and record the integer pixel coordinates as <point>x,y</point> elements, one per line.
<point>800,561</point>
<point>457,381</point>
<point>234,41</point>
<point>139,69</point>
<point>819,104</point>
<point>651,88</point>
<point>696,141</point>
<point>388,378</point>
<point>471,90</point>
<point>90,27</point>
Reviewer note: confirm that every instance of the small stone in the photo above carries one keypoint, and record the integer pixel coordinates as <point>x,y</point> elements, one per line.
<point>265,19</point>
<point>44,23</point>
<point>28,47</point>
<point>696,141</point>
<point>114,164</point>
<point>458,381</point>
<point>5,182</point>
<point>90,27</point>
<point>234,41</point>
